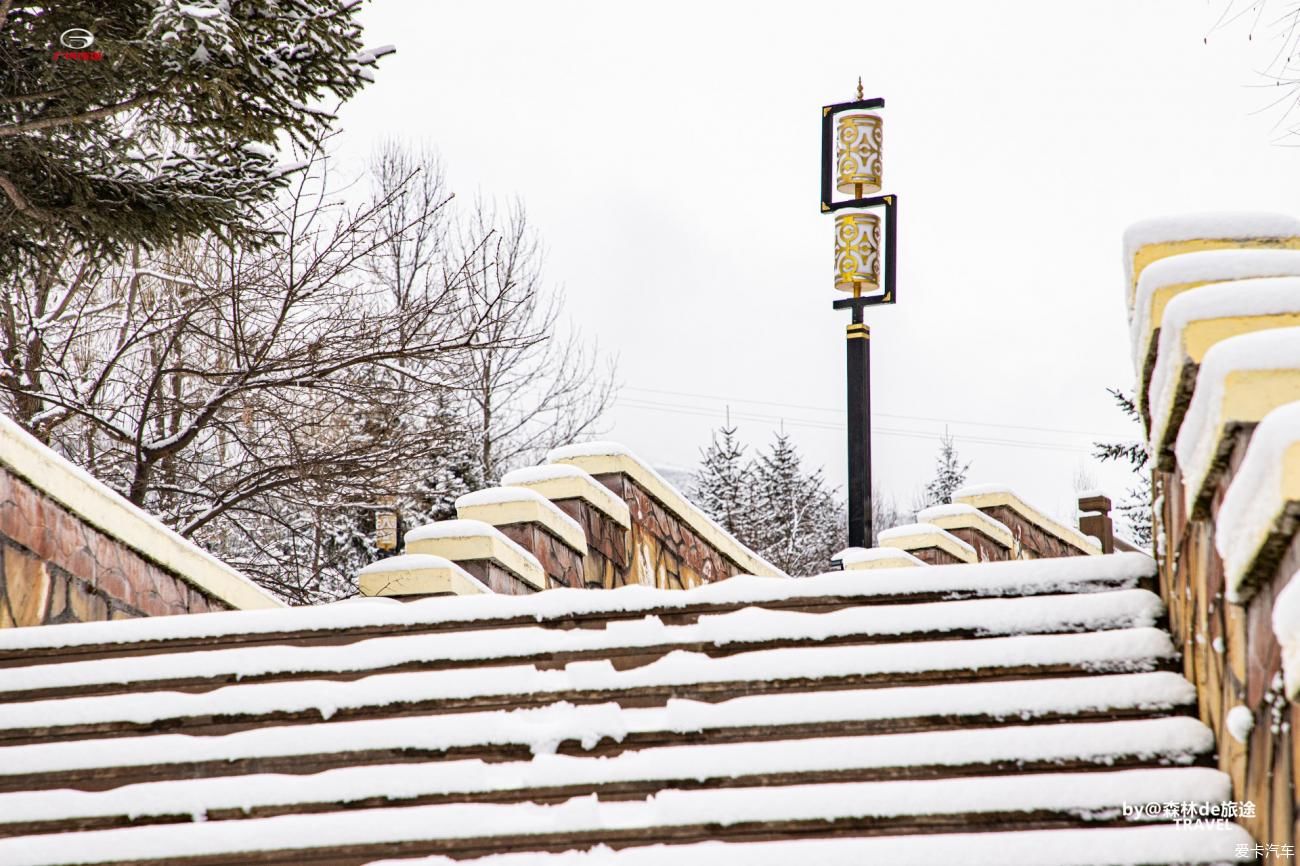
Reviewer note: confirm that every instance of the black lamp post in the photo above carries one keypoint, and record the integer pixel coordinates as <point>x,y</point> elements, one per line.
<point>851,153</point>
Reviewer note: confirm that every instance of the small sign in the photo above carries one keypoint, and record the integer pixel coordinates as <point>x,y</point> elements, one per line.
<point>386,530</point>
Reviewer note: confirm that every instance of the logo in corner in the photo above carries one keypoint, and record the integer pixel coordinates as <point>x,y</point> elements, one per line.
<point>76,38</point>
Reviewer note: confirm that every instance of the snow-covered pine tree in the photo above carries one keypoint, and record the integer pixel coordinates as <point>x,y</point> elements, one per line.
<point>167,128</point>
<point>949,473</point>
<point>798,522</point>
<point>1136,508</point>
<point>724,483</point>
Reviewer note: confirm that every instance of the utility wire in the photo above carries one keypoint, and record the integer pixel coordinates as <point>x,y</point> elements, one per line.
<point>1090,434</point>
<point>705,412</point>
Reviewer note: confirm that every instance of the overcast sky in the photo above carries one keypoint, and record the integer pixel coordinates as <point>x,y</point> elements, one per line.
<point>668,155</point>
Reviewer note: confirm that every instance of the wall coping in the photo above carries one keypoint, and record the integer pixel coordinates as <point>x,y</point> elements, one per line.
<point>983,496</point>
<point>1168,278</point>
<point>1151,240</point>
<point>103,508</point>
<point>502,505</point>
<point>1240,380</point>
<point>565,481</point>
<point>915,536</point>
<point>959,515</point>
<point>600,458</point>
<point>461,540</point>
<point>865,558</point>
<point>417,574</point>
<point>1197,320</point>
<point>1265,487</point>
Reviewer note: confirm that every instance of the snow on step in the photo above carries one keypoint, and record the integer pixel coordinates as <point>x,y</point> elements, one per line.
<point>543,729</point>
<point>1172,740</point>
<point>1022,577</point>
<point>1096,611</point>
<point>1125,846</point>
<point>1081,794</point>
<point>1119,650</point>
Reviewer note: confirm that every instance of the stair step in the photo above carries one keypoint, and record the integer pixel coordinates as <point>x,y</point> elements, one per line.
<point>677,674</point>
<point>595,729</point>
<point>626,643</point>
<point>826,810</point>
<point>349,622</point>
<point>640,773</point>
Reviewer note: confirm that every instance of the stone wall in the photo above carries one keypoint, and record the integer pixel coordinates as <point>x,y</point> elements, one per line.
<point>934,556</point>
<point>665,552</point>
<point>986,548</point>
<point>606,564</point>
<point>1032,540</point>
<point>562,564</point>
<point>57,568</point>
<point>1231,654</point>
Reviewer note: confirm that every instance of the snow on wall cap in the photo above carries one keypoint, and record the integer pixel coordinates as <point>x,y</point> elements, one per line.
<point>1264,296</point>
<point>1218,226</point>
<point>959,515</point>
<point>600,458</point>
<point>407,562</point>
<point>95,503</point>
<point>467,539</point>
<point>853,558</point>
<point>566,481</point>
<point>503,505</point>
<point>1210,266</point>
<point>416,574</point>
<point>990,495</point>
<point>1199,438</point>
<point>916,536</point>
<point>1253,509</point>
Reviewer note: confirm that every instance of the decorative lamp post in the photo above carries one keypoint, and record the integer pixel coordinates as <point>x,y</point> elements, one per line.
<point>851,165</point>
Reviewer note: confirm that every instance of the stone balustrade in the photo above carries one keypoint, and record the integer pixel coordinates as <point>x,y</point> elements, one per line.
<point>594,516</point>
<point>1217,355</point>
<point>72,550</point>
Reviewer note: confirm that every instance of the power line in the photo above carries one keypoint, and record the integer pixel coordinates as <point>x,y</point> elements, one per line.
<point>1090,434</point>
<point>705,412</point>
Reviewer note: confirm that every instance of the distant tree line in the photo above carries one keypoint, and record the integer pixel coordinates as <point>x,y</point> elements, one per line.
<point>790,514</point>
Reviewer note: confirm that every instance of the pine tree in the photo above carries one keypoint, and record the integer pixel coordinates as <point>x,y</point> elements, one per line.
<point>798,521</point>
<point>1136,508</point>
<point>171,131</point>
<point>773,505</point>
<point>724,481</point>
<point>949,473</point>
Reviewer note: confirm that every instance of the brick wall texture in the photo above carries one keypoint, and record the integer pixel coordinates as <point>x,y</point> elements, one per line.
<point>56,568</point>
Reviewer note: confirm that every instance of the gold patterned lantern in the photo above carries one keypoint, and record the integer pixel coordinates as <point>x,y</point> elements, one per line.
<point>857,252</point>
<point>857,154</point>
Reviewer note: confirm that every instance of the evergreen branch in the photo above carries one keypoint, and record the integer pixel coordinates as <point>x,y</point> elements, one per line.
<point>20,202</point>
<point>83,117</point>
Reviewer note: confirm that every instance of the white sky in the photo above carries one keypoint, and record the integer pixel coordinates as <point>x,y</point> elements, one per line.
<point>668,154</point>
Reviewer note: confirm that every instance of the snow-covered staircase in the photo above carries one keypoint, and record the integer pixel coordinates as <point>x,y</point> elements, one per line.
<point>1000,713</point>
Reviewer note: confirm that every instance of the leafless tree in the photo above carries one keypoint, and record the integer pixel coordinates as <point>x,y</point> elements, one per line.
<point>533,383</point>
<point>251,396</point>
<point>1276,29</point>
<point>536,384</point>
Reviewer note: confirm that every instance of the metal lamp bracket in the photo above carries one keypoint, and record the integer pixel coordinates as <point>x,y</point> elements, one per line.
<point>888,202</point>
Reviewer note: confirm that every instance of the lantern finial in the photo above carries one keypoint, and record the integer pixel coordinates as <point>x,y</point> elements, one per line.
<point>859,88</point>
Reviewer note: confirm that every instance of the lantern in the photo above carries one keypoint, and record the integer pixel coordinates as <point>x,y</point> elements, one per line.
<point>857,154</point>
<point>857,252</point>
